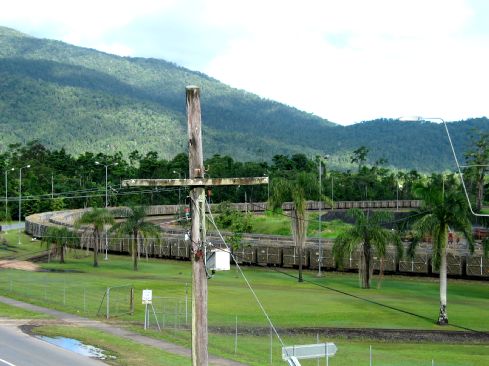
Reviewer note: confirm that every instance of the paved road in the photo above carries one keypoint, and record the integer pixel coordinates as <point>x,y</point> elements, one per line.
<point>13,226</point>
<point>20,349</point>
<point>117,331</point>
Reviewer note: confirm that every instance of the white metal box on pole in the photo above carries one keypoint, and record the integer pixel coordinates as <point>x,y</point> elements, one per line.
<point>218,260</point>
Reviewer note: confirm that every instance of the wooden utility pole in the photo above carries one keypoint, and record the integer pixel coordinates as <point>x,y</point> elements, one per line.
<point>198,183</point>
<point>197,198</point>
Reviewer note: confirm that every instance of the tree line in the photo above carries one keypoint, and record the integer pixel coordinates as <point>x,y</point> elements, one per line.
<point>57,180</point>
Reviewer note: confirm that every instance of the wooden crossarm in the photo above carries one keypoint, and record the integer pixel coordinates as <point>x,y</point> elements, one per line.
<point>194,182</point>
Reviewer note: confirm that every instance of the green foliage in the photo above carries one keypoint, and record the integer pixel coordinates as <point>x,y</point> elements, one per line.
<point>136,227</point>
<point>81,99</point>
<point>368,234</point>
<point>235,221</point>
<point>58,239</point>
<point>95,220</point>
<point>444,208</point>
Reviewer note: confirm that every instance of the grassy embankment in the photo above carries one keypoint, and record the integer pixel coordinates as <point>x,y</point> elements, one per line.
<point>289,305</point>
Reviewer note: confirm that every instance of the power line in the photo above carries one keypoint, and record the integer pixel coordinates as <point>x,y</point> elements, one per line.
<point>245,278</point>
<point>375,302</point>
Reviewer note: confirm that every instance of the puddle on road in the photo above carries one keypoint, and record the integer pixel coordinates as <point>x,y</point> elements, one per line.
<point>77,346</point>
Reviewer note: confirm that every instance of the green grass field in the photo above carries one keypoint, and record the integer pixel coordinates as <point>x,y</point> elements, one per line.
<point>279,224</point>
<point>9,246</point>
<point>316,303</point>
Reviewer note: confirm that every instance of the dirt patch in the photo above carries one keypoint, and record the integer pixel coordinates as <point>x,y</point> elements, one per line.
<point>22,265</point>
<point>395,335</point>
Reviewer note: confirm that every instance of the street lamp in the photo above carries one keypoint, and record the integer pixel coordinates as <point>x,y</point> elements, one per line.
<point>106,173</point>
<point>417,119</point>
<point>179,188</point>
<point>20,196</point>
<point>320,252</point>
<point>6,193</point>
<point>106,202</point>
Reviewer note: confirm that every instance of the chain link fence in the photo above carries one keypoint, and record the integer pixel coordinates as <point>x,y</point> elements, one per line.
<point>66,295</point>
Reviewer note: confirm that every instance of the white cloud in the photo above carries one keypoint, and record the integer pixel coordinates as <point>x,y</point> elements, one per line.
<point>347,60</point>
<point>393,57</point>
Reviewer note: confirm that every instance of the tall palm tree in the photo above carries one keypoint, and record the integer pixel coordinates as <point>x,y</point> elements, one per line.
<point>137,228</point>
<point>95,219</point>
<point>295,190</point>
<point>367,233</point>
<point>443,210</point>
<point>60,238</point>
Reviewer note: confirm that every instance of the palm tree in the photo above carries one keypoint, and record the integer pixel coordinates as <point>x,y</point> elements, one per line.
<point>136,227</point>
<point>367,233</point>
<point>96,218</point>
<point>443,210</point>
<point>295,190</point>
<point>60,238</point>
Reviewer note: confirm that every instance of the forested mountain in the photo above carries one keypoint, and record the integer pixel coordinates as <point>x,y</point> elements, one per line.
<point>86,100</point>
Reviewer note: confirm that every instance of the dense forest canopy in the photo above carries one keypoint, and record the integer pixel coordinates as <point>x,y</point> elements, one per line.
<point>84,100</point>
<point>57,180</point>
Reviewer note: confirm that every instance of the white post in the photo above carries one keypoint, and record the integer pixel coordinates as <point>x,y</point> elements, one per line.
<point>108,302</point>
<point>370,355</point>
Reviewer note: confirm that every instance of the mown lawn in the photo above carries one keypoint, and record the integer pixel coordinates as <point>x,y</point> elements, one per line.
<point>332,301</point>
<point>291,304</point>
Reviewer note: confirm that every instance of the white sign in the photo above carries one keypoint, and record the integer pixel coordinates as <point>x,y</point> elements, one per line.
<point>147,296</point>
<point>309,351</point>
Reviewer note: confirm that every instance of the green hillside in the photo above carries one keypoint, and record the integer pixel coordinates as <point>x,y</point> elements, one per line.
<point>86,100</point>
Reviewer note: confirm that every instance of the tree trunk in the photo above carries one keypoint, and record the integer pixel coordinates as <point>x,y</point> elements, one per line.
<point>443,316</point>
<point>96,240</point>
<point>365,266</point>
<point>298,231</point>
<point>62,254</point>
<point>134,256</point>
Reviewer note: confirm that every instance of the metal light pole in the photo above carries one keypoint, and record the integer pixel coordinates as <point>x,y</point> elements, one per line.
<point>397,194</point>
<point>20,196</point>
<point>412,119</point>
<point>179,188</point>
<point>320,251</point>
<point>6,192</point>
<point>106,201</point>
<point>332,191</point>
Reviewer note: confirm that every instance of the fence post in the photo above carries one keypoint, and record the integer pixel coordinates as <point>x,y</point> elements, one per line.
<point>108,302</point>
<point>236,337</point>
<point>370,355</point>
<point>186,304</point>
<point>131,301</point>
<point>84,300</point>
<point>317,341</point>
<point>271,346</point>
